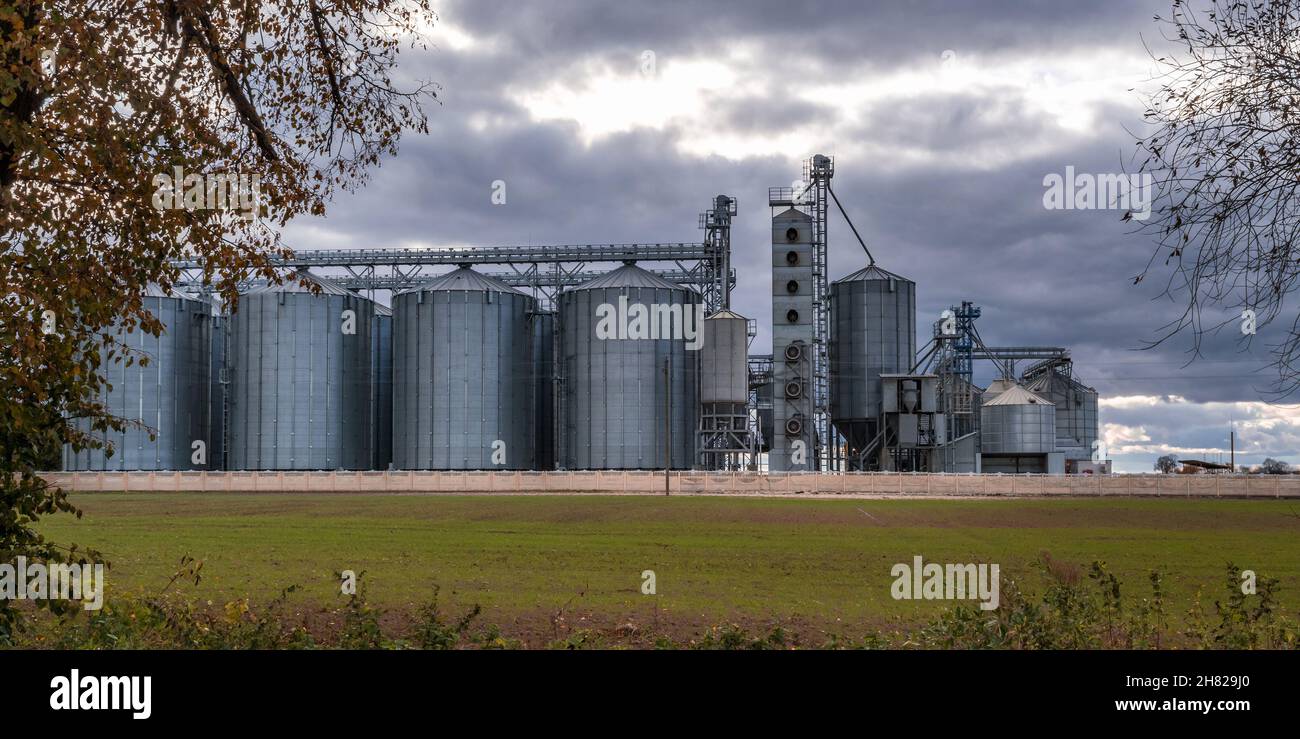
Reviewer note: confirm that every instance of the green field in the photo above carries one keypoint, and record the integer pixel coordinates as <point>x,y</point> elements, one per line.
<point>822,564</point>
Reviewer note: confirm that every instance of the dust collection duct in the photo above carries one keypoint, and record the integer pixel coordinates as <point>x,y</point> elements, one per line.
<point>300,378</point>
<point>170,395</point>
<point>463,375</point>
<point>873,332</point>
<point>615,392</point>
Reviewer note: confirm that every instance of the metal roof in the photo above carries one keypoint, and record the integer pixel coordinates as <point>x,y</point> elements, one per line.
<point>464,279</point>
<point>293,284</point>
<point>997,387</point>
<point>1017,395</point>
<point>154,290</point>
<point>630,275</point>
<point>872,273</point>
<point>724,313</point>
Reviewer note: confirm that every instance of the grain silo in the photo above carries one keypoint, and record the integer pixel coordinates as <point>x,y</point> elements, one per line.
<point>621,409</point>
<point>381,375</point>
<point>1018,433</point>
<point>724,391</point>
<point>1076,412</point>
<point>300,378</point>
<point>544,328</point>
<point>169,394</point>
<point>217,393</point>
<point>463,375</point>
<point>873,332</point>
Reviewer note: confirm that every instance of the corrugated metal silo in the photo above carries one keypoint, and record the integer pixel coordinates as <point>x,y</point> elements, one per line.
<point>873,332</point>
<point>617,333</point>
<point>544,397</point>
<point>463,375</point>
<point>1076,412</point>
<point>381,368</point>
<point>217,394</point>
<point>1018,422</point>
<point>170,395</point>
<point>300,378</point>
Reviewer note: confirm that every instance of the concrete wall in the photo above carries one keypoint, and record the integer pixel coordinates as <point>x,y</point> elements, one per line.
<point>690,483</point>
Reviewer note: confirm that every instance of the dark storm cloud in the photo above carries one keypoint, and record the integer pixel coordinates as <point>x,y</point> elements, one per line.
<point>954,200</point>
<point>836,32</point>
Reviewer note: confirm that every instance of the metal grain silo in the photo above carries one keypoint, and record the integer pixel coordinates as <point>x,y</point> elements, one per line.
<point>724,391</point>
<point>300,378</point>
<point>1076,410</point>
<point>618,332</point>
<point>873,332</point>
<point>217,394</point>
<point>544,328</point>
<point>381,369</point>
<point>169,395</point>
<point>463,375</point>
<point>1018,422</point>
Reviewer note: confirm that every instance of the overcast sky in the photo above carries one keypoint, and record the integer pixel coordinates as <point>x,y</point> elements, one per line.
<point>944,119</point>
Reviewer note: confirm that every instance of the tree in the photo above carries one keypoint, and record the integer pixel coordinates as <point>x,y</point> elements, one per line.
<point>1167,464</point>
<point>1223,152</point>
<point>101,103</point>
<point>1272,466</point>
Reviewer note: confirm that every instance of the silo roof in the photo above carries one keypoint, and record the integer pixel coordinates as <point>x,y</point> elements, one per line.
<point>630,275</point>
<point>292,284</point>
<point>793,214</point>
<point>724,313</point>
<point>1046,380</point>
<point>1017,395</point>
<point>154,290</point>
<point>997,387</point>
<point>464,279</point>
<point>381,310</point>
<point>872,272</point>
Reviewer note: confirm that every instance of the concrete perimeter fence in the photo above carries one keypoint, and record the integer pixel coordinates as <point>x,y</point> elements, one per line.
<point>863,484</point>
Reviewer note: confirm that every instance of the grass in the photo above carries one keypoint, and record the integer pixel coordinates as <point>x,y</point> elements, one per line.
<point>526,560</point>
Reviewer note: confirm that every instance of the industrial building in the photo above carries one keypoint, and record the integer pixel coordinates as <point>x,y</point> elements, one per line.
<point>592,357</point>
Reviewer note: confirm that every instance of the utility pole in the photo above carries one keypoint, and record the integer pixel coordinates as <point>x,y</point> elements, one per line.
<point>668,422</point>
<point>1232,446</point>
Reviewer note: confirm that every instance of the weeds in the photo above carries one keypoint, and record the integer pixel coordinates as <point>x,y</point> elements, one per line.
<point>1079,608</point>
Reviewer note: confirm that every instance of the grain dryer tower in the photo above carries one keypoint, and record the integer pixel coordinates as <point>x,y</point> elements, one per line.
<point>793,441</point>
